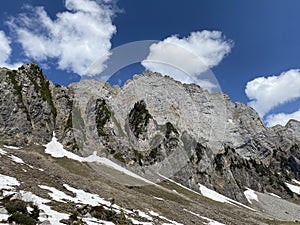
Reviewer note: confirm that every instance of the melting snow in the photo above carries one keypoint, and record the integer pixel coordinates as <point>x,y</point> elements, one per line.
<point>250,195</point>
<point>140,223</point>
<point>55,149</point>
<point>297,182</point>
<point>16,159</point>
<point>210,221</point>
<point>57,195</point>
<point>144,215</point>
<point>219,198</point>
<point>94,221</point>
<point>159,199</point>
<point>2,152</point>
<point>8,182</point>
<point>3,217</point>
<point>274,195</point>
<point>293,188</point>
<point>164,218</point>
<point>53,216</point>
<point>180,185</point>
<point>81,196</point>
<point>11,147</point>
<point>87,198</point>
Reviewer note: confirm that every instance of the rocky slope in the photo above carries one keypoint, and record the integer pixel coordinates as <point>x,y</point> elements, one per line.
<point>154,126</point>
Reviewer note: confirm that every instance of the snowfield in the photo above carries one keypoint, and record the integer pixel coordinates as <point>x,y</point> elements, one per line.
<point>219,198</point>
<point>297,182</point>
<point>11,147</point>
<point>8,183</point>
<point>250,195</point>
<point>293,188</point>
<point>56,150</point>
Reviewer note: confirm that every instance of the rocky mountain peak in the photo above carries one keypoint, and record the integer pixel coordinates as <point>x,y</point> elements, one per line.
<point>154,125</point>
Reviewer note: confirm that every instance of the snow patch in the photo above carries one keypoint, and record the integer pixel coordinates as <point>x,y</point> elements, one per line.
<point>296,181</point>
<point>210,221</point>
<point>180,185</point>
<point>213,195</point>
<point>86,198</point>
<point>134,221</point>
<point>230,121</point>
<point>8,183</point>
<point>250,195</point>
<point>3,214</point>
<point>82,197</point>
<point>94,221</point>
<point>293,188</point>
<point>219,198</point>
<point>274,195</point>
<point>2,152</point>
<point>55,149</point>
<point>144,215</point>
<point>11,147</point>
<point>164,218</point>
<point>16,159</point>
<point>47,213</point>
<point>159,199</point>
<point>57,195</point>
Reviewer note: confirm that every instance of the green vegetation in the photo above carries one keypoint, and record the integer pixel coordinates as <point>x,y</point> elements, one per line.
<point>122,219</point>
<point>35,213</point>
<point>42,87</point>
<point>16,206</point>
<point>19,214</point>
<point>139,118</point>
<point>69,122</point>
<point>20,218</point>
<point>101,213</point>
<point>219,161</point>
<point>170,129</point>
<point>199,152</point>
<point>153,153</point>
<point>119,157</point>
<point>138,156</point>
<point>103,114</point>
<point>18,91</point>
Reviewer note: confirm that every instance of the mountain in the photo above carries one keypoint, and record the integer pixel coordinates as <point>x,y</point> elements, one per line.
<point>155,144</point>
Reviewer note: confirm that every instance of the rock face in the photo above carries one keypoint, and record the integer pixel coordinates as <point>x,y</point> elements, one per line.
<point>154,125</point>
<point>31,106</point>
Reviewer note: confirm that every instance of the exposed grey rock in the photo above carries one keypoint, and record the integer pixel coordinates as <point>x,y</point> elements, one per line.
<point>154,124</point>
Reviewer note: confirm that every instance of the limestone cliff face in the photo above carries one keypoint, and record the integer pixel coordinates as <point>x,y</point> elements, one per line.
<point>31,107</point>
<point>154,125</point>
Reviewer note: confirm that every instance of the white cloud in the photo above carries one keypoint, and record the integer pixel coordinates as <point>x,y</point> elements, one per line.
<point>282,118</point>
<point>76,38</point>
<point>186,58</point>
<point>5,52</point>
<point>5,49</point>
<point>266,93</point>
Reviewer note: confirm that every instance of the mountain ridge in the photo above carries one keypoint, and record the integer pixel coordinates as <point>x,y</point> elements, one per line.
<point>154,125</point>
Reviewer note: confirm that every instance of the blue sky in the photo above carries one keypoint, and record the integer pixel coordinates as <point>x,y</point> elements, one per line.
<point>255,56</point>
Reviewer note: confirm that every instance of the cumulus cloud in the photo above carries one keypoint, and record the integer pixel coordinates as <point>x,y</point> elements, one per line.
<point>282,118</point>
<point>266,93</point>
<point>76,38</point>
<point>185,59</point>
<point>5,49</point>
<point>5,52</point>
